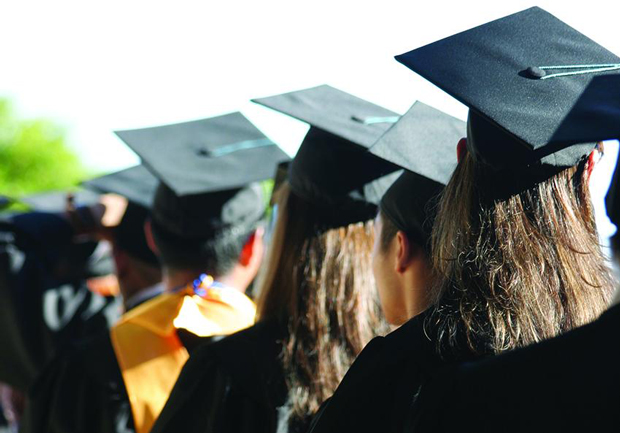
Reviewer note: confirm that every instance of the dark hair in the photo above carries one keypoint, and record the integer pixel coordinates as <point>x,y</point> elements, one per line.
<point>388,232</point>
<point>319,284</point>
<point>213,256</point>
<point>514,271</point>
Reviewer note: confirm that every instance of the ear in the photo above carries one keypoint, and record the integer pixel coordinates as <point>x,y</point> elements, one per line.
<point>593,159</point>
<point>253,248</point>
<point>461,149</point>
<point>150,240</point>
<point>403,254</point>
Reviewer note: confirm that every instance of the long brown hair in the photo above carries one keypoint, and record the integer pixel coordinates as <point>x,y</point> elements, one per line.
<point>514,271</point>
<point>319,284</point>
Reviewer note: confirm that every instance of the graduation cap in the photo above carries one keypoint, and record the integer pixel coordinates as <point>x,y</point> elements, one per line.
<point>520,76</point>
<point>208,171</point>
<point>56,201</point>
<point>137,184</point>
<point>333,169</point>
<point>423,142</point>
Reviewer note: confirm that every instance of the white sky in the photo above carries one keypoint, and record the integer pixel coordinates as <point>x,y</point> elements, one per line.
<point>99,66</point>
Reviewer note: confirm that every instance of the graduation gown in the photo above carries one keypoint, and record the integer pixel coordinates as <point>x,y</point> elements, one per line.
<point>377,392</point>
<point>235,385</point>
<point>570,383</point>
<point>85,390</point>
<point>44,301</point>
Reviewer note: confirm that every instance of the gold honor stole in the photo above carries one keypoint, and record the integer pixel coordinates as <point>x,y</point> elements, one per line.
<point>149,351</point>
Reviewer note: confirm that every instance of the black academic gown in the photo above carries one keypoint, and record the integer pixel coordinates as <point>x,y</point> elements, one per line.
<point>235,385</point>
<point>379,389</point>
<point>44,301</point>
<point>82,390</point>
<point>570,383</point>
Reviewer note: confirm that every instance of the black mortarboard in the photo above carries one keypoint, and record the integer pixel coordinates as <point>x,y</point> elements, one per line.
<point>333,169</point>
<point>56,201</point>
<point>208,171</point>
<point>130,236</point>
<point>423,142</point>
<point>520,76</point>
<point>137,184</point>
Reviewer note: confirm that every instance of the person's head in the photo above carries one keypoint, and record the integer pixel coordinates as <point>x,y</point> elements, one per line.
<point>218,234</point>
<point>319,283</point>
<point>401,267</point>
<point>137,268</point>
<point>515,244</point>
<point>318,279</point>
<point>209,204</point>
<point>422,143</point>
<point>513,269</point>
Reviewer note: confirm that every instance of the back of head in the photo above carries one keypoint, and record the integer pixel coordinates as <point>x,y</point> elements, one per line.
<point>515,270</point>
<point>205,233</point>
<point>515,242</point>
<point>319,284</point>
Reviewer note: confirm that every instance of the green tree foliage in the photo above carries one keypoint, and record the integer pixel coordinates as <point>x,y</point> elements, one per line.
<point>34,156</point>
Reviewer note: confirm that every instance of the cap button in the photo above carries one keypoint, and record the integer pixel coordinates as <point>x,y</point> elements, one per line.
<point>535,72</point>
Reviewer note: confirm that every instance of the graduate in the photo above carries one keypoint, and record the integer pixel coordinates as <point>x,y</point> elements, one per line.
<point>516,257</point>
<point>569,383</point>
<point>318,304</point>
<point>421,142</point>
<point>47,257</point>
<point>128,196</point>
<point>205,227</point>
<point>130,193</point>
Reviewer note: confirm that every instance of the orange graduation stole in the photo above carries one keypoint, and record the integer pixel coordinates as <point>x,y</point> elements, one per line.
<point>149,351</point>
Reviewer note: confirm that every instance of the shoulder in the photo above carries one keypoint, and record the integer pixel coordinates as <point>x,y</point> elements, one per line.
<point>84,360</point>
<point>237,374</point>
<point>247,360</point>
<point>260,340</point>
<point>388,367</point>
<point>573,375</point>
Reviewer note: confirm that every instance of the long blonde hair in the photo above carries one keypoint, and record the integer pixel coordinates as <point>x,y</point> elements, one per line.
<point>319,284</point>
<point>514,271</point>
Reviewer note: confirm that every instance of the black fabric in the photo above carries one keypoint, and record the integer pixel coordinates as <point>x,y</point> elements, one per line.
<point>336,112</point>
<point>333,169</point>
<point>423,142</point>
<point>137,184</point>
<point>567,384</point>
<point>342,180</point>
<point>129,235</point>
<point>44,301</point>
<point>485,68</point>
<point>82,390</point>
<point>210,215</point>
<point>208,171</point>
<point>410,204</point>
<point>379,389</point>
<point>235,385</point>
<point>207,155</point>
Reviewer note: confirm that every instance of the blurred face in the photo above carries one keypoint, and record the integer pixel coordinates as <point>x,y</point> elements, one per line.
<point>390,286</point>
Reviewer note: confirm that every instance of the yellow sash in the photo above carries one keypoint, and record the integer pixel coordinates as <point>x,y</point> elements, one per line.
<point>148,349</point>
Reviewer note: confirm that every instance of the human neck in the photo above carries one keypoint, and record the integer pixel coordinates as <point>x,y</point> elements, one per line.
<point>417,288</point>
<point>173,279</point>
